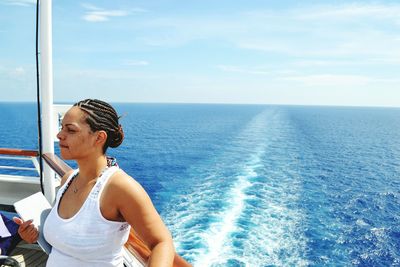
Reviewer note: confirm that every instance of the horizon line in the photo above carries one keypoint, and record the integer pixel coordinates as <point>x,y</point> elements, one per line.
<point>219,103</point>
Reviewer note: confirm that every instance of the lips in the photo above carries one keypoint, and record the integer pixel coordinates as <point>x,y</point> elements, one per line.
<point>63,146</point>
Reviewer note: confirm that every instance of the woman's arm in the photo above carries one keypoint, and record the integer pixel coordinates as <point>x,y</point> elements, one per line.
<point>136,208</point>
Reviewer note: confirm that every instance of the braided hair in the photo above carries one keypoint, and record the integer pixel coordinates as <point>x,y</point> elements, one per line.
<point>102,116</point>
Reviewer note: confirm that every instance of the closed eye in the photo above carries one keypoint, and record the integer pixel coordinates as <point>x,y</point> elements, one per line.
<point>68,129</point>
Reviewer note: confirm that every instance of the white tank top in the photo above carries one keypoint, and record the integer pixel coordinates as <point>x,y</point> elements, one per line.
<point>86,239</point>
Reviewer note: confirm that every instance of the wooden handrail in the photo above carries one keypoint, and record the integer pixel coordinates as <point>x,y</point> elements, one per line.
<point>18,152</point>
<point>134,244</point>
<point>57,164</point>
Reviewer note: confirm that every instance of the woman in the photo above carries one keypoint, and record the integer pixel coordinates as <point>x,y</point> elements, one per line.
<point>97,203</point>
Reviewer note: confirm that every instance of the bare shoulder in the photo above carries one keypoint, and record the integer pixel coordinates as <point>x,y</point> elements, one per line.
<point>121,184</point>
<point>132,202</point>
<point>121,178</point>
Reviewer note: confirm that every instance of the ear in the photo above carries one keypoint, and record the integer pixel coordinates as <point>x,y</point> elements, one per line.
<point>101,138</point>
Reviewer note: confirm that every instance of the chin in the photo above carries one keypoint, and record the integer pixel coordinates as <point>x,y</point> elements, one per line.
<point>65,155</point>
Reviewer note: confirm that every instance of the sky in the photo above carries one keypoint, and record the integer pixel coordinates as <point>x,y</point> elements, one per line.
<point>343,53</point>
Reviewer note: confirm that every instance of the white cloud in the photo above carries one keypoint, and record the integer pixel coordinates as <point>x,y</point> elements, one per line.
<point>90,6</point>
<point>17,72</point>
<point>361,31</point>
<point>311,31</point>
<point>353,11</point>
<point>331,80</point>
<point>97,14</point>
<point>269,46</point>
<point>332,62</point>
<point>326,63</point>
<point>136,63</point>
<point>230,68</point>
<point>20,2</point>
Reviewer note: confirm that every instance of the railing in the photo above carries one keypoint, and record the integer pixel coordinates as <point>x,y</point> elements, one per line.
<point>20,155</point>
<point>18,152</point>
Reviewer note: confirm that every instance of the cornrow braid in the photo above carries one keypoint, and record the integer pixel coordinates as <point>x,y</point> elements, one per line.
<point>102,116</point>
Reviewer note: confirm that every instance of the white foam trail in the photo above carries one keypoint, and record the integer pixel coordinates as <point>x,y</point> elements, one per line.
<point>279,238</point>
<point>218,232</point>
<point>274,224</point>
<point>217,236</point>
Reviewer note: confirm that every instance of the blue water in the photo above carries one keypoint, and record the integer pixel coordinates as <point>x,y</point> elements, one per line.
<point>253,185</point>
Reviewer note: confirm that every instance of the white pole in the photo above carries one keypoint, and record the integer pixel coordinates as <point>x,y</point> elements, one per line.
<point>46,79</point>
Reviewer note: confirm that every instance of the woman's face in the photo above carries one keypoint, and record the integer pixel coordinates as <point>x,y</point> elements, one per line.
<point>76,138</point>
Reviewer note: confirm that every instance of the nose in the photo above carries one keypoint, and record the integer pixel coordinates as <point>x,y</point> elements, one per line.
<point>60,136</point>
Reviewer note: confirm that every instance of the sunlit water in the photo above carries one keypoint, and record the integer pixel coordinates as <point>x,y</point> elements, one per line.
<point>242,185</point>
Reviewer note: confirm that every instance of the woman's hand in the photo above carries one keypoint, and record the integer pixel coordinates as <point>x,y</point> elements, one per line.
<point>27,230</point>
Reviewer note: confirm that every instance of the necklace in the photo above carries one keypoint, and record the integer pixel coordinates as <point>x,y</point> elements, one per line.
<point>76,189</point>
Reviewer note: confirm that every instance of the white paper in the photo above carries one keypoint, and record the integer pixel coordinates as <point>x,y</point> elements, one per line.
<point>35,207</point>
<point>3,229</point>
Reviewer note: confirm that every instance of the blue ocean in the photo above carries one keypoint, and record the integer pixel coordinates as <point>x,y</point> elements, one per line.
<point>260,185</point>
